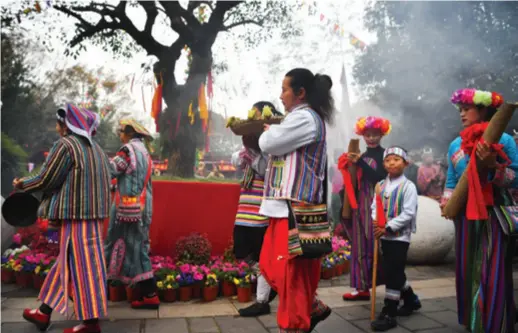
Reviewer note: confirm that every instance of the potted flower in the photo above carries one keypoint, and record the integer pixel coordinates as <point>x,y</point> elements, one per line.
<point>132,292</point>
<point>327,268</point>
<point>244,290</point>
<point>24,269</point>
<point>198,276</point>
<point>185,281</point>
<point>229,272</point>
<point>7,270</point>
<point>211,289</point>
<point>168,288</point>
<point>116,293</point>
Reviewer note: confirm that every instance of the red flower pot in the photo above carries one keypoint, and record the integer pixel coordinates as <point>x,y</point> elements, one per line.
<point>339,270</point>
<point>185,293</point>
<point>327,273</point>
<point>8,276</point>
<point>210,293</point>
<point>168,295</point>
<point>228,289</point>
<point>244,294</point>
<point>196,290</point>
<point>117,293</point>
<point>37,281</point>
<point>24,279</point>
<point>347,266</point>
<point>132,294</point>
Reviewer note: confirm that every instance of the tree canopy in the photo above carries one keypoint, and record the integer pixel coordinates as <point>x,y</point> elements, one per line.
<point>425,51</point>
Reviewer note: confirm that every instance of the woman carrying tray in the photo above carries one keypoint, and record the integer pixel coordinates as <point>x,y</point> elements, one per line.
<point>250,226</point>
<point>484,280</point>
<point>360,228</point>
<point>295,176</point>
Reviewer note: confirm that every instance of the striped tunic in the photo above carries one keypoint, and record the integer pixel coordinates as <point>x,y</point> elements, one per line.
<point>76,179</point>
<point>299,175</point>
<point>484,281</point>
<point>249,203</point>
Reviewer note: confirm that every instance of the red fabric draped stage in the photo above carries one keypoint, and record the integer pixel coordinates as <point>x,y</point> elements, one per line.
<point>180,208</point>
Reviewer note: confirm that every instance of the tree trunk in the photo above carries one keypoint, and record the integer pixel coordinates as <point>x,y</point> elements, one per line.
<point>179,137</point>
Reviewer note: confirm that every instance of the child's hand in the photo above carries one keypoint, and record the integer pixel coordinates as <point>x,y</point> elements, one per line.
<point>378,232</point>
<point>353,157</point>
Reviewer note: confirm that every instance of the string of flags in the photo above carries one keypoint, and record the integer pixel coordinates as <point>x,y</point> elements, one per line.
<point>337,29</point>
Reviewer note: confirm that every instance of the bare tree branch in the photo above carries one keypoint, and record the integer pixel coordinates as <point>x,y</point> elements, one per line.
<point>176,13</point>
<point>120,21</point>
<point>216,18</point>
<point>151,13</point>
<point>233,25</point>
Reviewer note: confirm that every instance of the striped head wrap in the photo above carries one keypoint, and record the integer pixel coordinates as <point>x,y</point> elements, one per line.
<point>79,121</point>
<point>138,127</point>
<point>398,151</point>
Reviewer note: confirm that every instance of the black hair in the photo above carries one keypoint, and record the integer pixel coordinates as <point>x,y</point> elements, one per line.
<point>62,114</point>
<point>490,111</point>
<point>318,91</point>
<point>129,130</point>
<point>260,105</point>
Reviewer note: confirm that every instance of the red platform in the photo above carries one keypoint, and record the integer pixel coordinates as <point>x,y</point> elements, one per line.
<point>180,208</point>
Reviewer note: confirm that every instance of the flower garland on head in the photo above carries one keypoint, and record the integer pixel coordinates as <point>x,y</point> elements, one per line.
<point>371,122</point>
<point>470,96</point>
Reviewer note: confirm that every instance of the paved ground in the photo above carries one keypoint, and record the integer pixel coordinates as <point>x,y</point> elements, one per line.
<point>438,314</point>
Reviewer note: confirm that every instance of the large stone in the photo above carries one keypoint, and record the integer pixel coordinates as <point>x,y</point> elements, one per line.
<point>7,231</point>
<point>434,237</point>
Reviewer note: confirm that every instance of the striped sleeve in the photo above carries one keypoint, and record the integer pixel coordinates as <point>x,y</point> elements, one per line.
<point>54,171</point>
<point>120,162</point>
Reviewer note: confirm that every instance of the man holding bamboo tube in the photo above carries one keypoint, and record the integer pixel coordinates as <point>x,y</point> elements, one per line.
<point>484,249</point>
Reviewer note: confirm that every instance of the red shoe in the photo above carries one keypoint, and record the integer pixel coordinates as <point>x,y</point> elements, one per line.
<point>149,303</point>
<point>41,320</point>
<point>358,296</point>
<point>83,328</point>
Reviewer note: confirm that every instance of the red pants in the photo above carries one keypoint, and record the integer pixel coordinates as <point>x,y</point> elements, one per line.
<point>295,280</point>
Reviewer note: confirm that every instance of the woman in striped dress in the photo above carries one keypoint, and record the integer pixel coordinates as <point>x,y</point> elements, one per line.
<point>484,281</point>
<point>77,174</point>
<point>127,244</point>
<point>250,226</point>
<point>360,228</point>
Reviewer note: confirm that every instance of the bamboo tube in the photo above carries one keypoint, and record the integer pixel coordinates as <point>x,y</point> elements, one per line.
<point>375,269</point>
<point>354,147</point>
<point>492,134</point>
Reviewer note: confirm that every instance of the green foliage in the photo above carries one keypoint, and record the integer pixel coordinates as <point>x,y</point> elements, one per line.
<point>13,159</point>
<point>425,51</point>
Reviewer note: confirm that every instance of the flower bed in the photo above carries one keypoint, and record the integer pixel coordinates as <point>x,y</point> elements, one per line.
<point>193,274</point>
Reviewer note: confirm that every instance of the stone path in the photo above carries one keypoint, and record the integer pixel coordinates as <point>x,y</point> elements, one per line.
<point>438,314</point>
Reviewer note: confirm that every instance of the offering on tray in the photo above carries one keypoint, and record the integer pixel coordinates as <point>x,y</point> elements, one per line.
<point>255,122</point>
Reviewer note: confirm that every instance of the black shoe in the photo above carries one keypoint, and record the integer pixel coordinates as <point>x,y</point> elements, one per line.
<point>384,323</point>
<point>254,310</point>
<point>407,309</point>
<point>317,319</point>
<point>272,296</point>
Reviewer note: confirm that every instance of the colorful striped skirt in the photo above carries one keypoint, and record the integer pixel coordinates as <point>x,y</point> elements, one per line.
<point>484,281</point>
<point>80,262</point>
<point>360,231</point>
<point>248,207</point>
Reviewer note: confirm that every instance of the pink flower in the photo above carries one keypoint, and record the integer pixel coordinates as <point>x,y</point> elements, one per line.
<point>198,276</point>
<point>185,268</point>
<point>178,277</point>
<point>17,238</point>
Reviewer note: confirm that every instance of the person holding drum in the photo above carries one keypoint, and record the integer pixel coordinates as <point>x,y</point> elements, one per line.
<point>77,174</point>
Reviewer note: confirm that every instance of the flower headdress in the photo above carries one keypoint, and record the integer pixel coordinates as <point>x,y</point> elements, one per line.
<point>472,96</point>
<point>370,122</point>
